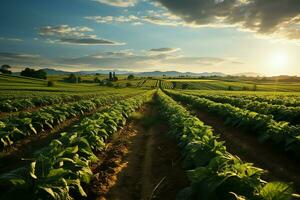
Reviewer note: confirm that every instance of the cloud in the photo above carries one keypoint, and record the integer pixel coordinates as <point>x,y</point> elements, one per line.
<point>142,60</point>
<point>124,59</point>
<point>151,16</point>
<point>266,17</point>
<point>164,50</point>
<point>23,59</point>
<point>11,39</point>
<point>66,34</point>
<point>89,41</point>
<point>118,3</point>
<point>114,19</point>
<point>64,30</point>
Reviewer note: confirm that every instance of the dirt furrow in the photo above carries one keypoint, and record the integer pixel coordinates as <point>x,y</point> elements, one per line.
<point>142,163</point>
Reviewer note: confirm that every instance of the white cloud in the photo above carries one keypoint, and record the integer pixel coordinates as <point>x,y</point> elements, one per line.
<point>66,34</point>
<point>11,39</point>
<point>64,31</point>
<point>118,3</point>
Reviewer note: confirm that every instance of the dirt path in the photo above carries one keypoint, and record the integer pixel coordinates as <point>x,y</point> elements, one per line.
<point>143,163</point>
<point>248,148</point>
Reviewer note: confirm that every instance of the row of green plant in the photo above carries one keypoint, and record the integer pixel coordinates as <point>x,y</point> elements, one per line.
<point>282,134</point>
<point>278,100</point>
<point>15,105</point>
<point>280,112</point>
<point>215,173</point>
<point>59,170</point>
<point>165,84</point>
<point>17,127</point>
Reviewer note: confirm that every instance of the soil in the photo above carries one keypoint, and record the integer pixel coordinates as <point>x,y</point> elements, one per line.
<point>141,163</point>
<point>246,145</point>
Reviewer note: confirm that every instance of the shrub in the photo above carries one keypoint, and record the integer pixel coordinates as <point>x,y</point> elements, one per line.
<point>50,84</point>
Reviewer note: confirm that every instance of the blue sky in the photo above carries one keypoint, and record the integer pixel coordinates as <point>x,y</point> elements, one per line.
<point>146,35</point>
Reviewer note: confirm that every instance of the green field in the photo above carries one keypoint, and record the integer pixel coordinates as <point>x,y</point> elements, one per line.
<point>149,138</point>
<point>203,84</point>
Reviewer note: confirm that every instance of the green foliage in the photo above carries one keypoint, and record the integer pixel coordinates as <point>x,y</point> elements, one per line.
<point>281,133</point>
<point>25,124</point>
<point>50,83</point>
<point>41,74</point>
<point>60,169</point>
<point>214,173</point>
<point>279,112</point>
<point>72,78</point>
<point>5,69</point>
<point>130,77</point>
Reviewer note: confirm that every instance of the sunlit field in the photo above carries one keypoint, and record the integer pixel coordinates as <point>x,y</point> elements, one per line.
<point>150,100</point>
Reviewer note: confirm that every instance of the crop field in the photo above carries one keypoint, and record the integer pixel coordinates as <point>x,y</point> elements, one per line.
<point>149,138</point>
<point>208,84</point>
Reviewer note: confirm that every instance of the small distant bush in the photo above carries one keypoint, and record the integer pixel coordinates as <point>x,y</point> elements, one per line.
<point>128,85</point>
<point>254,87</point>
<point>101,83</point>
<point>130,77</point>
<point>109,84</point>
<point>50,83</point>
<point>96,80</point>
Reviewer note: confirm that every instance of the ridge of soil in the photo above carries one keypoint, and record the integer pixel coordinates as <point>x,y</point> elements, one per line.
<point>141,163</point>
<point>246,146</point>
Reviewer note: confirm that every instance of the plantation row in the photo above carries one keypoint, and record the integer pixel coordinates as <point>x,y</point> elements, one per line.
<point>284,135</point>
<point>278,100</point>
<point>21,104</point>
<point>59,170</point>
<point>214,173</point>
<point>280,112</point>
<point>165,84</point>
<point>15,128</point>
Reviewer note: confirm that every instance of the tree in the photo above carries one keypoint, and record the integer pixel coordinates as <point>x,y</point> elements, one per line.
<point>5,69</point>
<point>72,78</point>
<point>41,74</point>
<point>254,87</point>
<point>96,80</point>
<point>115,78</point>
<point>130,77</point>
<point>110,76</point>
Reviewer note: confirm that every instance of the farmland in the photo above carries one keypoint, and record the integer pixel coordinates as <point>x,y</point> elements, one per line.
<point>149,138</point>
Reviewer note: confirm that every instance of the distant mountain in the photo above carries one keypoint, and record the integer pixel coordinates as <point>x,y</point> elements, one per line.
<point>61,72</point>
<point>153,73</point>
<point>56,72</point>
<point>248,74</point>
<point>176,73</point>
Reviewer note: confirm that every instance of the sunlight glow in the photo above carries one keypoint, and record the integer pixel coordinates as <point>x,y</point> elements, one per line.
<point>278,63</point>
<point>279,60</point>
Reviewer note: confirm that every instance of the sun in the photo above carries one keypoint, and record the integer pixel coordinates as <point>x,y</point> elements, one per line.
<point>279,60</point>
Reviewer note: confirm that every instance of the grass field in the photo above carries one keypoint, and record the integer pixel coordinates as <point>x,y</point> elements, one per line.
<point>86,141</point>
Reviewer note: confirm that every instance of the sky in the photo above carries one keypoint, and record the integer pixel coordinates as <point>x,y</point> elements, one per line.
<point>229,36</point>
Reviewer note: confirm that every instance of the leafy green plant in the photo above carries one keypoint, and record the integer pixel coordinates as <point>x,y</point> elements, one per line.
<point>281,133</point>
<point>214,173</point>
<point>59,170</point>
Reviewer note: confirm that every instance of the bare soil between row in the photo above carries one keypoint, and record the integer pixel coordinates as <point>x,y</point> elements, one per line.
<point>142,162</point>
